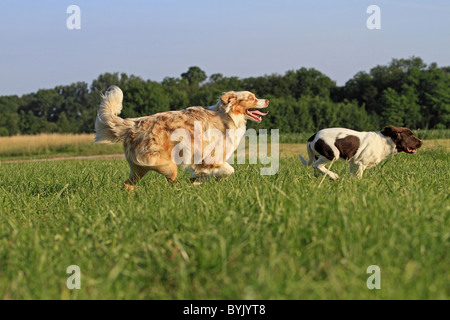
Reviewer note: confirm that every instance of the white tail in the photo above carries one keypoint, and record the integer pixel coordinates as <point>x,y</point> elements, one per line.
<point>310,155</point>
<point>108,126</point>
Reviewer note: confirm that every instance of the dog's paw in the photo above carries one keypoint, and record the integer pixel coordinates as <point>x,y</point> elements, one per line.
<point>196,180</point>
<point>333,176</point>
<point>128,187</point>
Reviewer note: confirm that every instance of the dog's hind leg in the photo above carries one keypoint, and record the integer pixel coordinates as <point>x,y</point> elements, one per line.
<point>352,167</point>
<point>136,174</point>
<point>316,171</point>
<point>359,170</point>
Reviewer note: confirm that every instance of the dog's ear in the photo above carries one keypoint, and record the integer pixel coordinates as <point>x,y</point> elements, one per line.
<point>387,131</point>
<point>391,131</point>
<point>228,97</point>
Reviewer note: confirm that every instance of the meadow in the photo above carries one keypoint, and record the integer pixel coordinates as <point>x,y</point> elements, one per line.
<point>287,236</point>
<point>57,145</point>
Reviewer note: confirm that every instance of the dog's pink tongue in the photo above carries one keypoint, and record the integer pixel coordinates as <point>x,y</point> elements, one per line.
<point>412,150</point>
<point>259,113</point>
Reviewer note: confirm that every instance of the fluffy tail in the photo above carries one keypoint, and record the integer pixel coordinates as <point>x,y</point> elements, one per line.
<point>108,126</point>
<point>310,155</point>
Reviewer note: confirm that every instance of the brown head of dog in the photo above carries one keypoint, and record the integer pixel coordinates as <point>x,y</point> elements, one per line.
<point>403,138</point>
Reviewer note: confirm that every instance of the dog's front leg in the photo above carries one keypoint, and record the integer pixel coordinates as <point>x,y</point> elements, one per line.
<point>199,176</point>
<point>224,171</point>
<point>198,179</point>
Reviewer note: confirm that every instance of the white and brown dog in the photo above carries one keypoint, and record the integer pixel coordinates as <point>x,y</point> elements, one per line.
<point>362,149</point>
<point>148,142</point>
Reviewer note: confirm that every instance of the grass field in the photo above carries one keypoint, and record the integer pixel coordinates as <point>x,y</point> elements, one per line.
<point>286,236</point>
<point>54,145</point>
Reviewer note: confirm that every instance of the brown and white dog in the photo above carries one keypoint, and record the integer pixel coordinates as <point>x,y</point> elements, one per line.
<point>362,149</point>
<point>149,142</point>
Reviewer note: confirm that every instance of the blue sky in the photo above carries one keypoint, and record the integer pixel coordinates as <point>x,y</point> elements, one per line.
<point>158,38</point>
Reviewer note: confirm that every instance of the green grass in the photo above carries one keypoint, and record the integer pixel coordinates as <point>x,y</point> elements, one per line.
<point>244,237</point>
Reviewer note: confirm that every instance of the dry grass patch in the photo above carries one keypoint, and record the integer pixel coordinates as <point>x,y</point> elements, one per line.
<point>32,143</point>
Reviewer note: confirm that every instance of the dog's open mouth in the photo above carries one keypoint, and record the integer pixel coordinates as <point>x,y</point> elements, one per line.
<point>406,149</point>
<point>256,114</point>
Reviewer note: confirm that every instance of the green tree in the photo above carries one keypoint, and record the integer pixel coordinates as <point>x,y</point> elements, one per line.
<point>393,106</point>
<point>194,76</point>
<point>4,132</point>
<point>310,82</point>
<point>64,125</point>
<point>362,89</point>
<point>434,97</point>
<point>404,92</point>
<point>12,123</point>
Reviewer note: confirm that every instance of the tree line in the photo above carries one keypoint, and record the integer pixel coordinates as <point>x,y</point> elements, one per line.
<point>406,92</point>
